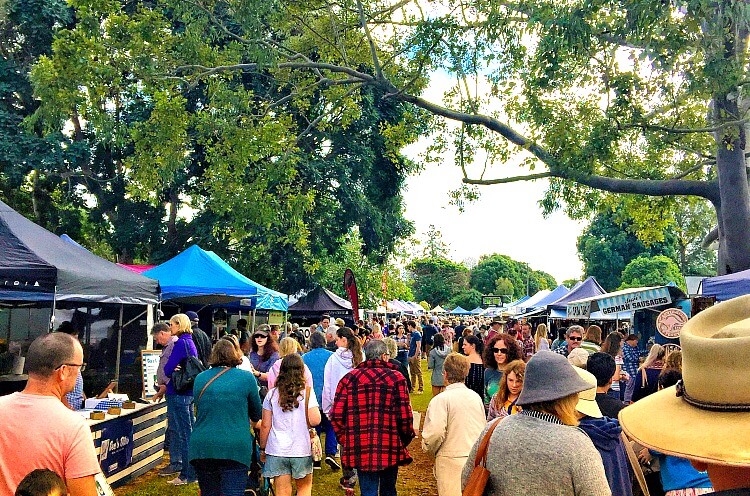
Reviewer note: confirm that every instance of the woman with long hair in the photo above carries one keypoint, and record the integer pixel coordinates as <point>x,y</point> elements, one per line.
<point>402,344</point>
<point>347,356</point>
<point>541,342</point>
<point>504,403</point>
<point>265,352</point>
<point>542,431</point>
<point>180,403</point>
<point>501,350</point>
<point>472,348</point>
<point>646,380</point>
<point>612,346</point>
<point>221,442</point>
<point>287,346</point>
<point>435,360</point>
<point>592,339</point>
<point>284,437</point>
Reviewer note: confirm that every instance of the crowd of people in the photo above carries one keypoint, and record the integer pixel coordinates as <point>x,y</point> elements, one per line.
<point>551,413</point>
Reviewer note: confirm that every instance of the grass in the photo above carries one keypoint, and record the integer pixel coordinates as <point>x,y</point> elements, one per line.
<point>415,479</point>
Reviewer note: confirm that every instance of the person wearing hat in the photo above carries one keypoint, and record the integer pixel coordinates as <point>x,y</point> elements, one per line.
<point>495,329</point>
<point>604,432</point>
<point>200,338</point>
<point>544,430</point>
<point>704,417</point>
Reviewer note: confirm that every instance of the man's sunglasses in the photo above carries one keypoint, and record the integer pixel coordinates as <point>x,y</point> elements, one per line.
<point>573,338</point>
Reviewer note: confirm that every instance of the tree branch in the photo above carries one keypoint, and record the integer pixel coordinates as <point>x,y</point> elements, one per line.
<point>370,42</point>
<point>676,130</point>
<point>505,180</point>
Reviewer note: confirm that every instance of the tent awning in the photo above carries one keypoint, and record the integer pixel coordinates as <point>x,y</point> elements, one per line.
<point>626,300</point>
<point>37,265</point>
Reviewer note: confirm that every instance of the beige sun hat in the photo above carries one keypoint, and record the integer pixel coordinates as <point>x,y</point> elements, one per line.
<point>587,404</point>
<point>706,416</point>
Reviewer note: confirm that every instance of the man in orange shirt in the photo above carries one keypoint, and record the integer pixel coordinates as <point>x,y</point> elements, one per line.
<point>38,431</point>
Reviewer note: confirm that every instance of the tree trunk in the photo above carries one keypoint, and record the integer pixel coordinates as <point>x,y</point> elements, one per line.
<point>733,211</point>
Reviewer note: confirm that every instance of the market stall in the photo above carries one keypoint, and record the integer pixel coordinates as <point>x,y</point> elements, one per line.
<point>45,280</point>
<point>318,302</point>
<point>654,312</point>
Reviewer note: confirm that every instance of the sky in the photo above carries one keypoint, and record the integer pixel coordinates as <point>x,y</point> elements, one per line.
<point>506,218</point>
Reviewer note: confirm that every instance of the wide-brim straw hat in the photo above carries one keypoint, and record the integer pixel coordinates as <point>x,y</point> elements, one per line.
<point>587,404</point>
<point>706,416</point>
<point>549,377</point>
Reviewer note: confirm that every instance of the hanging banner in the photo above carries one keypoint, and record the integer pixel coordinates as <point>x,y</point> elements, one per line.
<point>117,446</point>
<point>648,298</point>
<point>350,286</point>
<point>579,310</point>
<point>275,317</point>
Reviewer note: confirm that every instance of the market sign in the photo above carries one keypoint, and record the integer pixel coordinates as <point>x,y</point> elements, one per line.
<point>580,310</point>
<point>654,297</point>
<point>669,322</point>
<point>117,446</point>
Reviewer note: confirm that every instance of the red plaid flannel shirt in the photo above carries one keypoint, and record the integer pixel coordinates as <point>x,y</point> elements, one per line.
<point>372,417</point>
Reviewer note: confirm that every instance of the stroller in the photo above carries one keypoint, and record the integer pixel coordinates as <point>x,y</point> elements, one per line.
<point>257,485</point>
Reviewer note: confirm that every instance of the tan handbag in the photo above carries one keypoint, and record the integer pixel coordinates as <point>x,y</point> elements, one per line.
<point>316,448</point>
<point>477,482</point>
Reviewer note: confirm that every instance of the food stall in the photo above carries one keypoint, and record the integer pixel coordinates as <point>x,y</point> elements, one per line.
<point>44,280</point>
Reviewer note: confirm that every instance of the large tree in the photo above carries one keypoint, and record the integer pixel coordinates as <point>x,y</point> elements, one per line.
<point>642,97</point>
<point>263,168</point>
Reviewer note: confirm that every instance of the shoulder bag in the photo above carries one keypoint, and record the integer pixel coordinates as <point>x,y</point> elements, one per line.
<point>209,383</point>
<point>316,449</point>
<point>477,482</point>
<point>184,377</point>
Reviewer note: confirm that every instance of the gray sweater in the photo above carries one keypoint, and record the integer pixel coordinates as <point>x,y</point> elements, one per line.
<point>528,455</point>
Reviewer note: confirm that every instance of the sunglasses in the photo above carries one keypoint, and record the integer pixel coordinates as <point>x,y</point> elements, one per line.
<point>572,338</point>
<point>500,350</point>
<point>259,336</point>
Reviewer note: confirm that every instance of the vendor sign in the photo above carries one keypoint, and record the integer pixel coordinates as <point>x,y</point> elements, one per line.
<point>654,297</point>
<point>580,310</point>
<point>669,322</point>
<point>116,451</point>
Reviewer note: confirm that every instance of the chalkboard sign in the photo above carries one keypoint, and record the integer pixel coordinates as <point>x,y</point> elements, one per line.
<point>149,365</point>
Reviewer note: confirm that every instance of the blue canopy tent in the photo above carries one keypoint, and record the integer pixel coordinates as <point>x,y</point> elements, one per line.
<point>477,311</point>
<point>587,289</point>
<point>195,276</point>
<point>459,311</point>
<point>727,286</point>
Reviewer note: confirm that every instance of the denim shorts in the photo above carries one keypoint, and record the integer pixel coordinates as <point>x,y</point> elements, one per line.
<point>297,466</point>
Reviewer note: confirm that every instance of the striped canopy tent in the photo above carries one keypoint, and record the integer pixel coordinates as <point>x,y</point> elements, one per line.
<point>624,301</point>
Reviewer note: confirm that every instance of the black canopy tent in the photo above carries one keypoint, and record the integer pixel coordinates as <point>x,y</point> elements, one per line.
<point>318,302</point>
<point>37,268</point>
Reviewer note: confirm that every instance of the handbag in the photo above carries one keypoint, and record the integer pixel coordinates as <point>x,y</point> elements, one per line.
<point>479,477</point>
<point>316,449</point>
<point>184,377</point>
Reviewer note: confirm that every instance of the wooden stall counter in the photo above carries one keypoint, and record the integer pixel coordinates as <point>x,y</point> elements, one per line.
<point>131,443</point>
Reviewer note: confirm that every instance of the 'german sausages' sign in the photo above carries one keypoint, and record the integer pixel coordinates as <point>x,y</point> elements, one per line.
<point>648,298</point>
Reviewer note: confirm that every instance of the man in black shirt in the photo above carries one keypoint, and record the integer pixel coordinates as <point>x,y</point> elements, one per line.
<point>602,366</point>
<point>200,338</point>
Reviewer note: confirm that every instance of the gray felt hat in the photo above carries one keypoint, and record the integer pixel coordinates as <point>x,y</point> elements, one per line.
<point>549,377</point>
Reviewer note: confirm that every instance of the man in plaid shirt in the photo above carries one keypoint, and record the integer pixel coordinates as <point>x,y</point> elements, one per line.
<point>373,421</point>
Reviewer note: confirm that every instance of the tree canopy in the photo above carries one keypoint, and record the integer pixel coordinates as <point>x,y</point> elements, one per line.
<point>652,271</point>
<point>641,97</point>
<point>494,273</point>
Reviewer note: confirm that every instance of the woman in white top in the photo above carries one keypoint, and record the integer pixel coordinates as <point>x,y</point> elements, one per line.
<point>284,436</point>
<point>348,355</point>
<point>540,338</point>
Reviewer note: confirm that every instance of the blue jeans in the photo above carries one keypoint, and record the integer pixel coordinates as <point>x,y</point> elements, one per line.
<point>182,413</point>
<point>331,441</point>
<point>379,483</point>
<point>221,477</point>
<point>175,457</point>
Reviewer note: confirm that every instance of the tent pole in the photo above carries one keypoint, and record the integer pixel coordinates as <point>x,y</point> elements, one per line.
<point>119,350</point>
<point>253,320</point>
<point>54,306</point>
